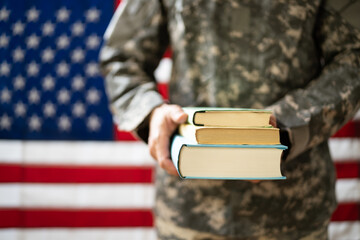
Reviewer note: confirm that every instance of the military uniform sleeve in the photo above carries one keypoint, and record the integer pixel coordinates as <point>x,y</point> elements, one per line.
<point>134,43</point>
<point>312,114</point>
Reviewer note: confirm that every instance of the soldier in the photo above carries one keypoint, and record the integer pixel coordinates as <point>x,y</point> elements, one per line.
<point>300,58</point>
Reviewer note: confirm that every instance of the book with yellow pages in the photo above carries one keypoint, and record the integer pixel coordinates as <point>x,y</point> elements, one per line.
<point>210,161</point>
<point>228,117</point>
<point>230,135</point>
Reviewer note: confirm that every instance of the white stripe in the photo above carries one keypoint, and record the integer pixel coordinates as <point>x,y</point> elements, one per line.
<point>348,190</point>
<point>11,151</point>
<point>345,149</point>
<point>79,234</point>
<point>163,71</point>
<point>344,230</point>
<point>337,231</point>
<point>77,196</point>
<point>92,153</point>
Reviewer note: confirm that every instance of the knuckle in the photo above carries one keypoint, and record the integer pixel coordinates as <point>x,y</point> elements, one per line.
<point>162,164</point>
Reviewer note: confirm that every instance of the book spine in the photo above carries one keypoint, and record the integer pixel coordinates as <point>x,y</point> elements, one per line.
<point>176,145</point>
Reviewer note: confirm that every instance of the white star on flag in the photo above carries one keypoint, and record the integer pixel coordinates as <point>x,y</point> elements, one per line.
<point>63,96</point>
<point>63,42</point>
<point>63,15</point>
<point>33,69</point>
<point>92,15</point>
<point>49,109</point>
<point>4,41</point>
<point>5,69</point>
<point>18,55</point>
<point>4,14</point>
<point>78,110</point>
<point>35,123</point>
<point>19,83</point>
<point>32,15</point>
<point>93,96</point>
<point>77,55</point>
<point>64,123</point>
<point>93,41</point>
<point>92,69</point>
<point>62,69</point>
<point>20,109</point>
<point>5,96</point>
<point>33,41</point>
<point>5,122</point>
<point>18,28</point>
<point>48,28</point>
<point>78,29</point>
<point>93,123</point>
<point>48,83</point>
<point>48,55</point>
<point>78,83</point>
<point>34,96</point>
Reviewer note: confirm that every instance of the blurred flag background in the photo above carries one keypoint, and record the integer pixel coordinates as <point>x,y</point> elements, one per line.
<point>65,171</point>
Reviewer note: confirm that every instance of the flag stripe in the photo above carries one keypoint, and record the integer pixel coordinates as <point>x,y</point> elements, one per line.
<point>348,169</point>
<point>348,190</point>
<point>75,153</point>
<point>120,153</point>
<point>75,174</point>
<point>342,149</point>
<point>110,174</point>
<point>113,195</point>
<point>347,212</point>
<point>351,129</point>
<point>75,218</point>
<point>77,195</point>
<point>344,230</point>
<point>78,233</point>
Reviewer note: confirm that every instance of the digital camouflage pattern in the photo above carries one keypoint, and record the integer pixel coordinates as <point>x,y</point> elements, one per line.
<point>300,58</point>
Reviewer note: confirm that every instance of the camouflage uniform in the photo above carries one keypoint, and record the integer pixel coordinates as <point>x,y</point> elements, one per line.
<point>300,58</point>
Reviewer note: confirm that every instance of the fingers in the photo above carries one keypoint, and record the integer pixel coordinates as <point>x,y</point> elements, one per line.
<point>163,122</point>
<point>272,121</point>
<point>163,155</point>
<point>178,115</point>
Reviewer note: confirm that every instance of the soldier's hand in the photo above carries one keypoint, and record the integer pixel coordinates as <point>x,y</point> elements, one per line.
<point>272,121</point>
<point>163,122</point>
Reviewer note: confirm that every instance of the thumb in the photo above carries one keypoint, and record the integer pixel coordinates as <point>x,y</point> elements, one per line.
<point>178,115</point>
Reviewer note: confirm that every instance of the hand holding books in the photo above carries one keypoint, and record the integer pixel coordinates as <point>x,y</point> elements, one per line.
<point>164,120</point>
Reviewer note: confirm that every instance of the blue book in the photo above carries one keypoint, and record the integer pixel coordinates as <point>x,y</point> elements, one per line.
<point>210,161</point>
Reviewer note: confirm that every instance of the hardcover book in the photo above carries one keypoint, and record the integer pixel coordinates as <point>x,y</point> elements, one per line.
<point>211,161</point>
<point>230,135</point>
<point>227,117</point>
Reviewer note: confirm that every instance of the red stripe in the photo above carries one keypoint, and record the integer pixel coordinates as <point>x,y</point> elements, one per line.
<point>346,212</point>
<point>37,218</point>
<point>163,90</point>
<point>75,174</point>
<point>75,218</point>
<point>168,53</point>
<point>123,136</point>
<point>348,169</point>
<point>116,3</point>
<point>350,130</point>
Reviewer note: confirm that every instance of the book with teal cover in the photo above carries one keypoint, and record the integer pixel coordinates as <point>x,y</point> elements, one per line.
<point>241,162</point>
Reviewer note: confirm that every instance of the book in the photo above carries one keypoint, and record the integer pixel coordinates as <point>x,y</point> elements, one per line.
<point>228,117</point>
<point>210,161</point>
<point>230,135</point>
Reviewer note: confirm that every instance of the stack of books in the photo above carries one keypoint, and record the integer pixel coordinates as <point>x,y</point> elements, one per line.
<point>227,143</point>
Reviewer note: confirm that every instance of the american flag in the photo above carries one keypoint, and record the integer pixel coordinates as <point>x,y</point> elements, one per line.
<point>101,188</point>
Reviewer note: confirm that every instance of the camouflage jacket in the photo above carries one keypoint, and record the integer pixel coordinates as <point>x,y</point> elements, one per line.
<point>300,58</point>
